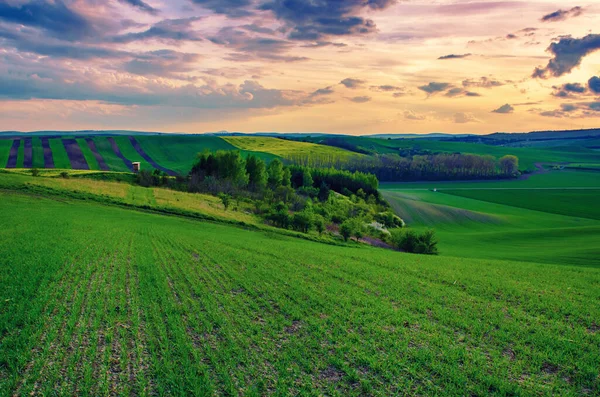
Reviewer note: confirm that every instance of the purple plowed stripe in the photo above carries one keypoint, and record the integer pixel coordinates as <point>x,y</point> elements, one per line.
<point>117,151</point>
<point>145,156</point>
<point>99,158</point>
<point>14,152</point>
<point>48,158</point>
<point>28,153</point>
<point>75,154</point>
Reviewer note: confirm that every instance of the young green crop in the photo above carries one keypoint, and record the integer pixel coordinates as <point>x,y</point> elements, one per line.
<point>127,303</point>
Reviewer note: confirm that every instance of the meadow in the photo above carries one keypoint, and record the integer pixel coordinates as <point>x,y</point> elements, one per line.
<point>145,304</point>
<point>523,220</point>
<point>287,148</point>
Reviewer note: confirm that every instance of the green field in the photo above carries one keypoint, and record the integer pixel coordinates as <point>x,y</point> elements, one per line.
<point>179,152</point>
<point>142,304</point>
<point>61,160</point>
<point>524,220</point>
<point>528,157</point>
<point>89,156</point>
<point>287,148</point>
<point>110,158</point>
<point>5,145</point>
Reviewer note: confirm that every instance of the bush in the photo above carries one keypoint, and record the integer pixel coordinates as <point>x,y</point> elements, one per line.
<point>347,229</point>
<point>64,174</point>
<point>302,221</point>
<point>226,200</point>
<point>35,172</point>
<point>389,219</point>
<point>413,242</point>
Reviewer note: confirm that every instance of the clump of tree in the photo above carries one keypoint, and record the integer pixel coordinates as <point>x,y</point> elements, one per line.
<point>414,242</point>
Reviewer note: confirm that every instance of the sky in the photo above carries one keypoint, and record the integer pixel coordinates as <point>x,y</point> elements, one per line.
<point>332,66</point>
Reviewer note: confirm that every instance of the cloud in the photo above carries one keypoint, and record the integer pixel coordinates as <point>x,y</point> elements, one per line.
<point>163,63</point>
<point>360,99</point>
<point>575,110</point>
<point>594,84</point>
<point>324,91</point>
<point>386,88</point>
<point>352,83</point>
<point>142,6</point>
<point>315,20</point>
<point>463,118</point>
<point>561,15</point>
<point>231,8</point>
<point>483,82</point>
<point>458,92</point>
<point>568,53</point>
<point>455,56</point>
<point>410,115</point>
<point>249,47</point>
<point>569,89</point>
<point>168,30</point>
<point>433,87</point>
<point>504,109</point>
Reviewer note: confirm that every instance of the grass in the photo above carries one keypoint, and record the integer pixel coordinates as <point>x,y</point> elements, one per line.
<point>61,159</point>
<point>130,153</point>
<point>553,179</point>
<point>91,186</point>
<point>286,148</point>
<point>110,158</point>
<point>520,224</point>
<point>178,152</point>
<point>5,145</point>
<point>21,154</point>
<point>142,304</point>
<point>87,153</point>
<point>583,204</point>
<point>37,153</point>
<point>527,156</point>
<point>584,166</point>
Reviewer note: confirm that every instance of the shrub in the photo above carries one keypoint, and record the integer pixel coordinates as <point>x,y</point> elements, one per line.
<point>347,229</point>
<point>64,174</point>
<point>226,200</point>
<point>414,242</point>
<point>35,172</point>
<point>302,221</point>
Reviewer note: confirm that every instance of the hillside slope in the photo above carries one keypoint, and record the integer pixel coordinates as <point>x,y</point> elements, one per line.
<point>142,304</point>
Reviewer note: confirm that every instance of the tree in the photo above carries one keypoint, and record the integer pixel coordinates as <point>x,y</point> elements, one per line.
<point>324,192</point>
<point>302,221</point>
<point>307,180</point>
<point>286,179</point>
<point>347,229</point>
<point>275,173</point>
<point>257,173</point>
<point>357,229</point>
<point>319,222</point>
<point>35,172</point>
<point>509,164</point>
<point>225,199</point>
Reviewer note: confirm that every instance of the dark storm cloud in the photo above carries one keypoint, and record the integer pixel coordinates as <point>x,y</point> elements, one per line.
<point>141,5</point>
<point>561,15</point>
<point>52,16</point>
<point>454,56</point>
<point>594,84</point>
<point>352,83</point>
<point>568,53</point>
<point>434,87</point>
<point>314,20</point>
<point>170,30</point>
<point>504,109</point>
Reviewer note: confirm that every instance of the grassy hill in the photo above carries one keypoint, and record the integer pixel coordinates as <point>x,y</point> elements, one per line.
<point>286,148</point>
<point>143,304</point>
<point>527,220</point>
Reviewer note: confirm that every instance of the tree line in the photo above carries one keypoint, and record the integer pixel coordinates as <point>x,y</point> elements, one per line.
<point>428,167</point>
